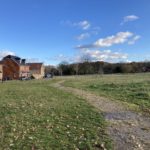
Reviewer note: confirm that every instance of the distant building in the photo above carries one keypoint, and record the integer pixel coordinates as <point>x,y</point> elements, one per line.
<point>1,70</point>
<point>14,68</point>
<point>37,70</point>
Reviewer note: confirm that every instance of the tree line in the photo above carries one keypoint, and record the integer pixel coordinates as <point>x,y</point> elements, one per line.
<point>98,67</point>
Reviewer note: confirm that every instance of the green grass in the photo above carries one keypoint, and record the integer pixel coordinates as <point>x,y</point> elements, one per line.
<point>131,88</point>
<point>35,116</point>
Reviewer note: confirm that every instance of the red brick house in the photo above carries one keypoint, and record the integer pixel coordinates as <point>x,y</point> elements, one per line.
<point>1,70</point>
<point>14,68</point>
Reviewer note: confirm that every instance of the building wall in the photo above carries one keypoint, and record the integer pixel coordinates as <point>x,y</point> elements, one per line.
<point>1,71</point>
<point>24,68</point>
<point>10,69</point>
<point>38,73</point>
<point>42,71</point>
<point>14,70</point>
<point>24,71</point>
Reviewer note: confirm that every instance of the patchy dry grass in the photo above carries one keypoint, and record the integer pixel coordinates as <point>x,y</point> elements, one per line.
<point>131,88</point>
<point>34,116</point>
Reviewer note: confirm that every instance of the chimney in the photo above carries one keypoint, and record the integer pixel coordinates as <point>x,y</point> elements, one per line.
<point>23,61</point>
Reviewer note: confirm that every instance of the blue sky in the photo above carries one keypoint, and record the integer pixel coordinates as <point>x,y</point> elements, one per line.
<point>52,31</point>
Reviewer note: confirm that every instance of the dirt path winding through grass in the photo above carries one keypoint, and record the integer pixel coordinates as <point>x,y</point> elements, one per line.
<point>128,130</point>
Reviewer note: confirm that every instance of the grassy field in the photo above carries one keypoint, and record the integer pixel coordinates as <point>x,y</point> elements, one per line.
<point>35,116</point>
<point>131,88</point>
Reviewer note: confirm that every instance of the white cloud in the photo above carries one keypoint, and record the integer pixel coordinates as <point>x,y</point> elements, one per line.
<point>129,18</point>
<point>93,55</point>
<point>93,31</point>
<point>4,53</point>
<point>119,38</point>
<point>83,36</point>
<point>97,55</point>
<point>134,39</point>
<point>84,25</point>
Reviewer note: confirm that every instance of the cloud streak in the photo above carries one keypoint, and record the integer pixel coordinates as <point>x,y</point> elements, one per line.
<point>119,38</point>
<point>134,39</point>
<point>83,36</point>
<point>93,55</point>
<point>98,55</point>
<point>129,19</point>
<point>83,25</point>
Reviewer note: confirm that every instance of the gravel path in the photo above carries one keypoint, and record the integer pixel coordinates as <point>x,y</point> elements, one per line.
<point>128,130</point>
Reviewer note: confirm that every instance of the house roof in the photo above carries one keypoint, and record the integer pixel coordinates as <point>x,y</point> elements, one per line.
<point>17,59</point>
<point>12,57</point>
<point>21,62</point>
<point>35,66</point>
